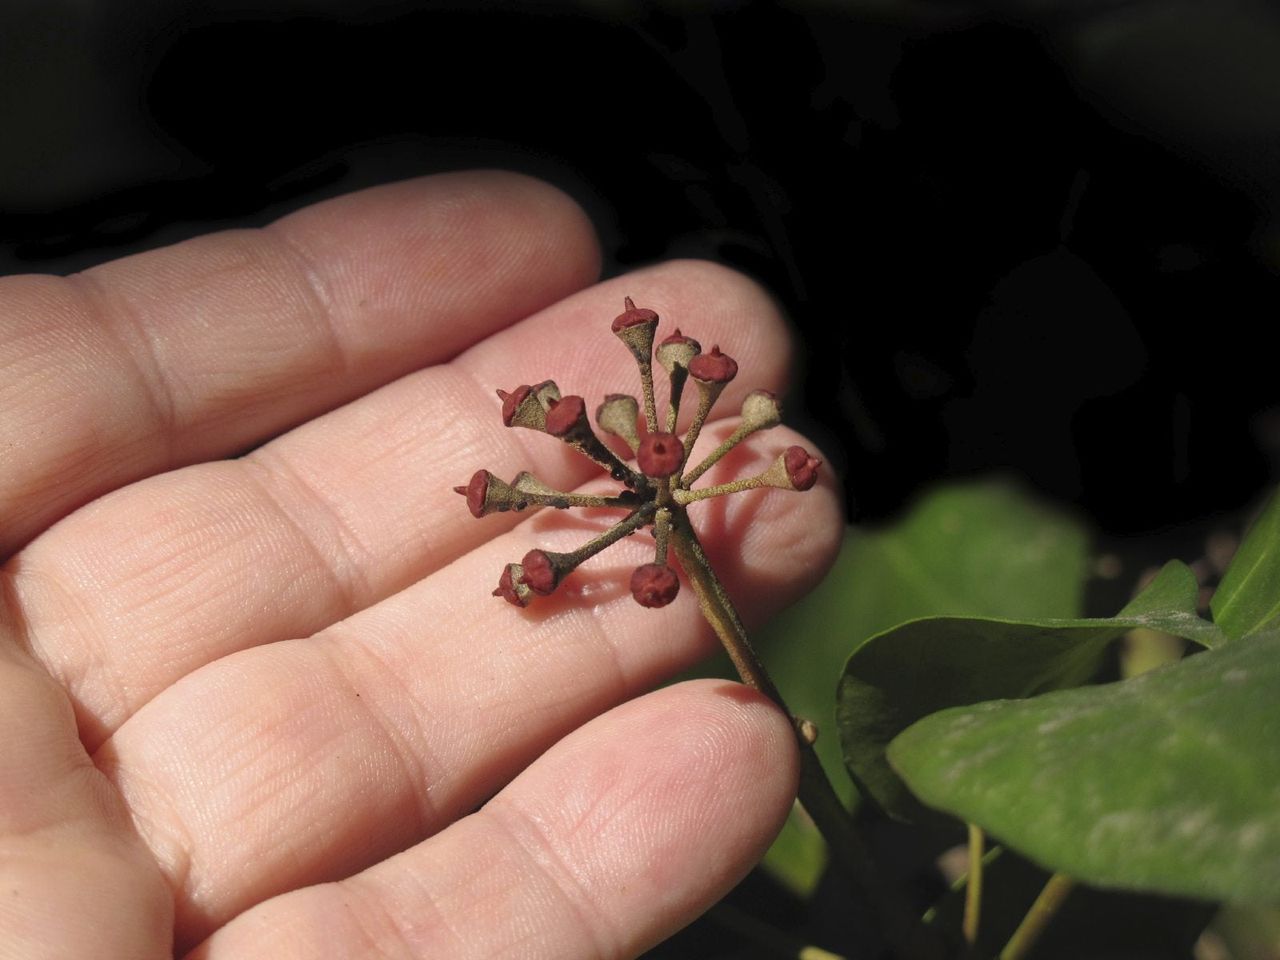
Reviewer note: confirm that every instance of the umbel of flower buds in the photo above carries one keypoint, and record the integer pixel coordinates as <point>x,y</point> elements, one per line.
<point>659,488</point>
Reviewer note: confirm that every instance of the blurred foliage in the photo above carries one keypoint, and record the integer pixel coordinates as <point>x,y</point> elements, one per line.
<point>1167,782</point>
<point>978,548</point>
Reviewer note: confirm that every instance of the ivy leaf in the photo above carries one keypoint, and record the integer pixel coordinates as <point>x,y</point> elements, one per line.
<point>1168,782</point>
<point>975,548</point>
<point>1248,599</point>
<point>906,673</point>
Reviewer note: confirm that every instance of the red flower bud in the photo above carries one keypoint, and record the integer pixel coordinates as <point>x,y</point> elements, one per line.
<point>511,402</point>
<point>802,469</point>
<point>713,367</point>
<point>660,455</point>
<point>680,339</point>
<point>633,316</point>
<point>511,588</point>
<point>654,585</point>
<point>540,574</point>
<point>565,414</point>
<point>475,491</point>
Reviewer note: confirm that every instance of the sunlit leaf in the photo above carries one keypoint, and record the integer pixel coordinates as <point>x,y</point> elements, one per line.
<point>1168,782</point>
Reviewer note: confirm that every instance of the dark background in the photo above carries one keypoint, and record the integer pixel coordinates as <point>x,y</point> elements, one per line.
<point>1031,236</point>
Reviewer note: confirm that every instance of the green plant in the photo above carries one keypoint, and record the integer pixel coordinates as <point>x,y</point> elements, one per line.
<point>970,695</point>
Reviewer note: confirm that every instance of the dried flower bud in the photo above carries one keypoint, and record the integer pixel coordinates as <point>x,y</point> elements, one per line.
<point>618,415</point>
<point>527,406</point>
<point>475,491</point>
<point>567,416</point>
<point>761,410</point>
<point>802,469</point>
<point>512,402</point>
<point>541,573</point>
<point>635,327</point>
<point>633,316</point>
<point>511,586</point>
<point>713,367</point>
<point>677,350</point>
<point>654,585</point>
<point>487,494</point>
<point>660,455</point>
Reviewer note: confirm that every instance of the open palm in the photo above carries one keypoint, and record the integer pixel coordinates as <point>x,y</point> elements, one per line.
<point>256,700</point>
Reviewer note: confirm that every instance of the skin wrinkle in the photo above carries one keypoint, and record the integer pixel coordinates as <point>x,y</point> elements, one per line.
<point>405,929</point>
<point>414,752</point>
<point>92,660</point>
<point>139,352</point>
<point>346,573</point>
<point>321,297</point>
<point>164,837</point>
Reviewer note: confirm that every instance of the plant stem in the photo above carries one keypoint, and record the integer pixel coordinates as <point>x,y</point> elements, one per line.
<point>973,886</point>
<point>646,387</point>
<point>902,928</point>
<point>1038,917</point>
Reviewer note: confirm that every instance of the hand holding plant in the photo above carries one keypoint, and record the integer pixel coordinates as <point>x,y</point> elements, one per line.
<point>257,700</point>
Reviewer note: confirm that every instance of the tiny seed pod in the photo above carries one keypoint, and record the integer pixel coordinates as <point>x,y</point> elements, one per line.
<point>511,402</point>
<point>565,415</point>
<point>540,572</point>
<point>635,327</point>
<point>654,585</point>
<point>511,586</point>
<point>475,491</point>
<point>761,410</point>
<point>675,351</point>
<point>802,469</point>
<point>633,316</point>
<point>713,367</point>
<point>660,455</point>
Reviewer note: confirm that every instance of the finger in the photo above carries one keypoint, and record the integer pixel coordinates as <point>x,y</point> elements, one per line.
<point>617,837</point>
<point>306,760</point>
<point>207,347</point>
<point>157,579</point>
<point>75,880</point>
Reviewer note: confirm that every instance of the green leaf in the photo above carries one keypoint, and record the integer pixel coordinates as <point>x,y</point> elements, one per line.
<point>1248,599</point>
<point>975,548</point>
<point>920,667</point>
<point>1168,782</point>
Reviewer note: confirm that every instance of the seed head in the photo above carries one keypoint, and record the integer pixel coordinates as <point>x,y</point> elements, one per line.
<point>659,492</point>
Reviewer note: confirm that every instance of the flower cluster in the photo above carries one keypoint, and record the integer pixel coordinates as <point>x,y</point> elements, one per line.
<point>658,489</point>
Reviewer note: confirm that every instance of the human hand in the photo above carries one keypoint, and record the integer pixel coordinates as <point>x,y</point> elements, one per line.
<point>261,704</point>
